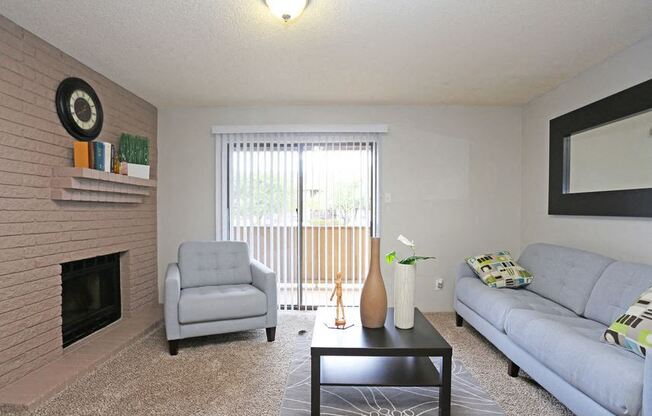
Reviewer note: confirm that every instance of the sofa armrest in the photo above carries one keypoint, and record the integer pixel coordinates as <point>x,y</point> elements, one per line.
<point>464,270</point>
<point>172,295</point>
<point>647,386</point>
<point>264,279</point>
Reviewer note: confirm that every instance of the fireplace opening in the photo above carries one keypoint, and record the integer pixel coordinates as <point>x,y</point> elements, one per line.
<point>90,296</point>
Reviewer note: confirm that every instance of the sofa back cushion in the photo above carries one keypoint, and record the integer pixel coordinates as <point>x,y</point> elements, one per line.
<point>562,274</point>
<point>213,263</point>
<point>617,289</point>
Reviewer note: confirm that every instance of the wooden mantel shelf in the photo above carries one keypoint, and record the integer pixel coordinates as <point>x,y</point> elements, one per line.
<point>83,184</point>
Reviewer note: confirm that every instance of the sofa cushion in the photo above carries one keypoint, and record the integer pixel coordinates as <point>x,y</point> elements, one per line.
<point>499,270</point>
<point>208,263</point>
<point>564,275</point>
<point>633,330</point>
<point>572,348</point>
<point>617,289</point>
<point>218,303</point>
<point>493,305</point>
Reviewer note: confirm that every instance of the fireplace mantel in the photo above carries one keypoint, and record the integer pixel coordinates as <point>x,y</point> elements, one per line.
<point>83,184</point>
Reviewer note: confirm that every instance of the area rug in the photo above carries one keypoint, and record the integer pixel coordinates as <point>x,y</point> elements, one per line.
<point>467,398</point>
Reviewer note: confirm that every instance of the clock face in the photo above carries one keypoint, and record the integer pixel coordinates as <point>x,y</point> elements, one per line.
<point>83,110</point>
<point>79,109</point>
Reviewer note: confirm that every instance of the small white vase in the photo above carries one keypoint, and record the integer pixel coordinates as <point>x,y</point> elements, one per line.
<point>404,281</point>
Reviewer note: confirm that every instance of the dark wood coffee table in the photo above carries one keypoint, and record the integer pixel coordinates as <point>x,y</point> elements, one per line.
<point>386,356</point>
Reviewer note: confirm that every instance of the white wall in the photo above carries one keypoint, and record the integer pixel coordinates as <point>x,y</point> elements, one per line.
<point>623,238</point>
<point>453,174</point>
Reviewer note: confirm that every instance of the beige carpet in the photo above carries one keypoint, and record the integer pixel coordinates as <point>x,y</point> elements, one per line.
<point>242,374</point>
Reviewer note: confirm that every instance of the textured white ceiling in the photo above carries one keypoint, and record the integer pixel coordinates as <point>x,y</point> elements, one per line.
<point>230,52</point>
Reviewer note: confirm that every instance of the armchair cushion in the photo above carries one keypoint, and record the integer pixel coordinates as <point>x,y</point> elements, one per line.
<point>218,303</point>
<point>212,263</point>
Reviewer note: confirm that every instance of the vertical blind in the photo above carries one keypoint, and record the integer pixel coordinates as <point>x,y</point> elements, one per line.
<point>306,203</point>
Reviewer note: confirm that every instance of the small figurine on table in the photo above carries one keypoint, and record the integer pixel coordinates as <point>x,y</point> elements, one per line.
<point>340,321</point>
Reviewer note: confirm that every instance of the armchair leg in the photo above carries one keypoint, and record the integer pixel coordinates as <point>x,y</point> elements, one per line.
<point>174,346</point>
<point>512,369</point>
<point>459,321</point>
<point>271,334</point>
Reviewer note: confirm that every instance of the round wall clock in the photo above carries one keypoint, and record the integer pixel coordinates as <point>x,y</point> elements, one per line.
<point>79,109</point>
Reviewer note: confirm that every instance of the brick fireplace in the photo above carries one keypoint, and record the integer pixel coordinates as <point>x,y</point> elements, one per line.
<point>38,233</point>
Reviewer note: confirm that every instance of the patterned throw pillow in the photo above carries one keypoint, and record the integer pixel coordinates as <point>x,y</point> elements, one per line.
<point>499,270</point>
<point>633,330</point>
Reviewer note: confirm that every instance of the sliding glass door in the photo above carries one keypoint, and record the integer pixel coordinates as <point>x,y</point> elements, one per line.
<point>306,204</point>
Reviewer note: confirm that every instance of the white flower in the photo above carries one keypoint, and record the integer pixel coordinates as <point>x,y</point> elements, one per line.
<point>405,241</point>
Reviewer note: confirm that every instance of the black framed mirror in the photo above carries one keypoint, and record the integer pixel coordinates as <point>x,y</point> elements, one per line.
<point>601,157</point>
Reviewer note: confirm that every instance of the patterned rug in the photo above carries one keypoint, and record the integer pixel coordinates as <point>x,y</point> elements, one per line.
<point>467,397</point>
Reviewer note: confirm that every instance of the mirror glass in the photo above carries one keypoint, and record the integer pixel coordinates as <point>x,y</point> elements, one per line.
<point>610,157</point>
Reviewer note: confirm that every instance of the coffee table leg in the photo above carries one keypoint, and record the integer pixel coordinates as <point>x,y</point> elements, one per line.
<point>315,387</point>
<point>445,389</point>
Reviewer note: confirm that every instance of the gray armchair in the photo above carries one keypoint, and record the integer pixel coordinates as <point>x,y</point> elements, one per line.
<point>216,288</point>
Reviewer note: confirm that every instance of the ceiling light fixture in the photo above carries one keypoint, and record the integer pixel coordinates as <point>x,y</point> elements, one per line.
<point>286,9</point>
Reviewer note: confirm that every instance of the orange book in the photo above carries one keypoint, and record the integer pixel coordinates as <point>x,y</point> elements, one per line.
<point>81,155</point>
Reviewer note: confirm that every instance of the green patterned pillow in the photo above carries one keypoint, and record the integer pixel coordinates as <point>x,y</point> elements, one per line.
<point>499,270</point>
<point>633,330</point>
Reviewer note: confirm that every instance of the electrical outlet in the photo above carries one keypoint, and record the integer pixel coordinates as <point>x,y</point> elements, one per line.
<point>439,284</point>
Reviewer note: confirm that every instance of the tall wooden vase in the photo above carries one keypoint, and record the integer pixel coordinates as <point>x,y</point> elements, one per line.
<point>373,302</point>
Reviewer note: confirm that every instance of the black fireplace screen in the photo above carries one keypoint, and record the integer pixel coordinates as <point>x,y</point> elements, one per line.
<point>90,297</point>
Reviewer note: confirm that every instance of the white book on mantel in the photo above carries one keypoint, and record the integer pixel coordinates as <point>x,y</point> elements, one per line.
<point>107,157</point>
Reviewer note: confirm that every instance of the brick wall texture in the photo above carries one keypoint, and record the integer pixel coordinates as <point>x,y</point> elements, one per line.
<point>37,233</point>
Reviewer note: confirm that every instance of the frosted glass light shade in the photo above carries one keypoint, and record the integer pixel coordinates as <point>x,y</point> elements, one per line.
<point>286,9</point>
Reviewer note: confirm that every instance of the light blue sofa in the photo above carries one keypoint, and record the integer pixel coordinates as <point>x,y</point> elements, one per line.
<point>216,288</point>
<point>553,328</point>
